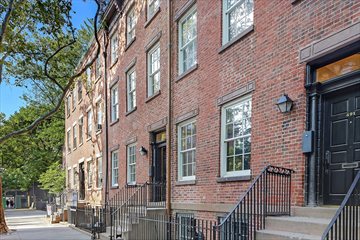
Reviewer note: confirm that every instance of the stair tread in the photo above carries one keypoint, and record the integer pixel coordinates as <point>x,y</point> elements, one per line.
<point>290,235</point>
<point>300,219</point>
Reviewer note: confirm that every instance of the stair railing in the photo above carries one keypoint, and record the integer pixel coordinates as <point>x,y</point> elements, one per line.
<point>268,195</point>
<point>346,222</point>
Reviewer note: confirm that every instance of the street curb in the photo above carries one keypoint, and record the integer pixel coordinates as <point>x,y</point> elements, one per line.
<point>80,230</point>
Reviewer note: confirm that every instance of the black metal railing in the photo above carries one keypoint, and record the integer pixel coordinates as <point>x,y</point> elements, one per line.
<point>91,219</point>
<point>346,221</point>
<point>269,194</point>
<point>131,203</point>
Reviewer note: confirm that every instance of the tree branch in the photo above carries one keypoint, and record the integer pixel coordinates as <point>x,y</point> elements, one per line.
<point>49,114</point>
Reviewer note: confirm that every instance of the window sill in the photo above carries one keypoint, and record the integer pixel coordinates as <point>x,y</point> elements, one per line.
<point>67,116</point>
<point>97,79</point>
<point>114,122</point>
<point>80,144</point>
<point>74,149</point>
<point>184,74</point>
<point>130,43</point>
<point>236,39</point>
<point>153,96</point>
<point>113,64</point>
<point>98,132</point>
<point>73,109</point>
<point>131,111</point>
<point>185,182</point>
<point>233,179</point>
<point>80,101</point>
<point>88,139</point>
<point>114,187</point>
<point>152,17</point>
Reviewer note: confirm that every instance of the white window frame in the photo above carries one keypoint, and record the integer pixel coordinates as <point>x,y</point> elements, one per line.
<point>182,47</point>
<point>223,153</point>
<point>132,164</point>
<point>152,89</point>
<point>99,114</point>
<point>115,168</point>
<point>74,138</point>
<point>130,25</point>
<point>81,130</point>
<point>73,98</point>
<point>88,79</point>
<point>90,172</point>
<point>68,140</point>
<point>99,171</point>
<point>114,48</point>
<point>69,178</point>
<point>152,8</point>
<point>226,20</point>
<point>114,103</point>
<point>89,123</point>
<point>180,151</point>
<point>131,92</point>
<point>74,177</point>
<point>79,90</point>
<point>68,108</point>
<point>97,67</point>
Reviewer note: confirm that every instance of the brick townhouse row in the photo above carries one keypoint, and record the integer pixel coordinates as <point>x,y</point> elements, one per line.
<point>186,96</point>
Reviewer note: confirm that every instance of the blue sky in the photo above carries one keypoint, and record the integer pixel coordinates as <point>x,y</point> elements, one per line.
<point>10,95</point>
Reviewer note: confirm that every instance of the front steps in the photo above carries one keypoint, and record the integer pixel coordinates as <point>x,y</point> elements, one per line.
<point>306,223</point>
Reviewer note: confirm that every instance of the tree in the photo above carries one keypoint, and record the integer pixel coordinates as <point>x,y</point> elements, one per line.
<point>53,179</point>
<point>38,43</point>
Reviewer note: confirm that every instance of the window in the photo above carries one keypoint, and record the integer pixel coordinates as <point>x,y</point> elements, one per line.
<point>188,41</point>
<point>74,136</point>
<point>187,226</point>
<point>131,160</point>
<point>88,79</point>
<point>114,103</point>
<point>187,150</point>
<point>73,98</point>
<point>114,48</point>
<point>68,105</point>
<point>131,90</point>
<point>79,85</point>
<point>114,168</point>
<point>75,174</point>
<point>90,173</point>
<point>131,21</point>
<point>153,6</point>
<point>238,15</point>
<point>236,137</point>
<point>99,172</point>
<point>98,116</point>
<point>81,130</point>
<point>89,124</point>
<point>69,178</point>
<point>154,70</point>
<point>97,67</point>
<point>68,140</point>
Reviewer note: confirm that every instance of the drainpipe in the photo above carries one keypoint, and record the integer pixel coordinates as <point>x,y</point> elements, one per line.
<point>312,157</point>
<point>169,122</point>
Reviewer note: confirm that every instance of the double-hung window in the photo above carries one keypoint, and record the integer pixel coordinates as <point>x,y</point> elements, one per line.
<point>75,177</point>
<point>153,6</point>
<point>98,116</point>
<point>74,136</point>
<point>99,172</point>
<point>81,130</point>
<point>131,89</point>
<point>188,41</point>
<point>69,178</point>
<point>90,173</point>
<point>114,48</point>
<point>68,140</point>
<point>88,79</point>
<point>114,168</point>
<point>114,103</point>
<point>68,105</point>
<point>238,15</point>
<point>79,91</point>
<point>97,67</point>
<point>236,138</point>
<point>187,150</point>
<point>130,25</point>
<point>131,161</point>
<point>154,70</point>
<point>73,98</point>
<point>89,123</point>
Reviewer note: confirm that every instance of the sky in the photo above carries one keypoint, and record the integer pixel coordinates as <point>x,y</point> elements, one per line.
<point>10,100</point>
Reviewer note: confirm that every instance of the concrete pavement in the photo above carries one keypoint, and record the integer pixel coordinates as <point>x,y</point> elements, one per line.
<point>33,225</point>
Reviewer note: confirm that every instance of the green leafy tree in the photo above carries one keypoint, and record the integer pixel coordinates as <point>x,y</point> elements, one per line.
<point>53,179</point>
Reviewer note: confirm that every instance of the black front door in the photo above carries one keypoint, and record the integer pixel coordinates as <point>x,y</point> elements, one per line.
<point>341,152</point>
<point>159,168</point>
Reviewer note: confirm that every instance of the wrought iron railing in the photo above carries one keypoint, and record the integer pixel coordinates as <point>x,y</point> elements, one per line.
<point>346,221</point>
<point>131,203</point>
<point>269,194</point>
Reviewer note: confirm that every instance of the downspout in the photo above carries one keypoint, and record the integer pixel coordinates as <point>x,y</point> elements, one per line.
<point>169,122</point>
<point>106,33</point>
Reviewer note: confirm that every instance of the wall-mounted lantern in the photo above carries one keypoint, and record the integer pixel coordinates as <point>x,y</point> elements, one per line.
<point>284,104</point>
<point>143,151</point>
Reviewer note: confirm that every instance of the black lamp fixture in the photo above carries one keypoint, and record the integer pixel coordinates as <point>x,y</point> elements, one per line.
<point>143,151</point>
<point>284,103</point>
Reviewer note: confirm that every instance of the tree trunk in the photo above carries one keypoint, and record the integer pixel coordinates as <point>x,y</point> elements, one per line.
<point>3,226</point>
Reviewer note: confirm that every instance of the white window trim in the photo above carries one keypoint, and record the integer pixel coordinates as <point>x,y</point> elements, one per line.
<point>89,160</point>
<point>180,47</point>
<point>87,123</point>
<point>149,75</point>
<point>149,16</point>
<point>115,87</point>
<point>128,92</point>
<point>114,52</point>
<point>224,173</point>
<point>128,30</point>
<point>180,173</point>
<point>128,165</point>
<point>112,168</point>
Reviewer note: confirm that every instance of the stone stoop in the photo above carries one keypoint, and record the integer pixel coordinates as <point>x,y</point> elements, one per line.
<point>306,223</point>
